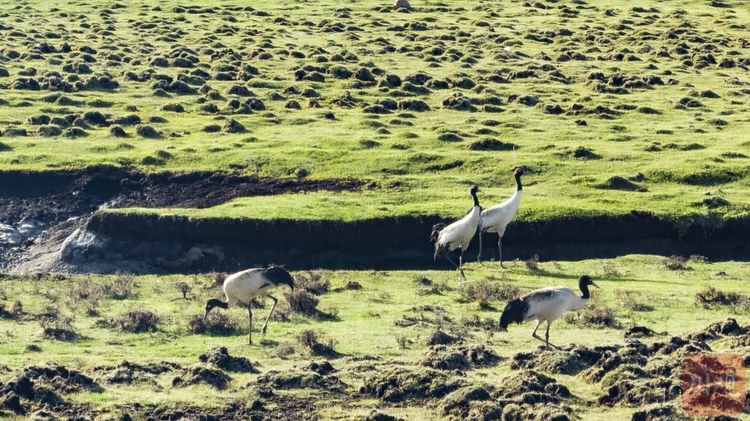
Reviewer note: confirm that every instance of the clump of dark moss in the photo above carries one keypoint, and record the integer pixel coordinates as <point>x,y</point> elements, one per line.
<point>117,131</point>
<point>49,131</point>
<point>233,126</point>
<point>492,144</point>
<point>74,132</point>
<point>620,183</point>
<point>450,137</point>
<point>128,120</point>
<point>146,131</point>
<point>203,375</point>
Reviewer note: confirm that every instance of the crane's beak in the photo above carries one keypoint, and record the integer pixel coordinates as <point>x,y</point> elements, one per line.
<point>592,283</point>
<point>204,317</point>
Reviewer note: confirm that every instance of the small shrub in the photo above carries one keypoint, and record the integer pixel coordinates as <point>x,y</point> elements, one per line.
<point>121,287</point>
<point>509,292</point>
<point>17,308</point>
<point>313,282</point>
<point>533,263</point>
<point>630,300</point>
<point>136,321</point>
<point>58,328</point>
<point>284,350</point>
<point>217,323</point>
<point>5,314</point>
<point>403,341</point>
<point>184,288</point>
<point>593,315</point>
<point>311,341</point>
<point>675,262</point>
<point>302,301</point>
<point>483,292</point>
<point>711,296</point>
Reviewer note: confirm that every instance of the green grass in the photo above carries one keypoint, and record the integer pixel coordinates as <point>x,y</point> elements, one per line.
<point>684,153</point>
<point>384,299</point>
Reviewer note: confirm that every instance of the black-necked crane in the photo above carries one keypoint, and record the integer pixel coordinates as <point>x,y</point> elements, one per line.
<point>457,235</point>
<point>497,218</point>
<point>545,304</point>
<point>248,284</point>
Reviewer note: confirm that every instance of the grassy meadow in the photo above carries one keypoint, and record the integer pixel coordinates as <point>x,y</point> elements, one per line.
<point>84,323</point>
<point>636,105</point>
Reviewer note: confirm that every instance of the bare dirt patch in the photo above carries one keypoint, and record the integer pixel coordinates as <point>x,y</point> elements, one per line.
<point>45,208</point>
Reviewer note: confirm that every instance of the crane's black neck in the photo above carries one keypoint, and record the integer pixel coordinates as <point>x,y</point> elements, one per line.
<point>518,182</point>
<point>474,195</point>
<point>584,287</point>
<point>213,302</point>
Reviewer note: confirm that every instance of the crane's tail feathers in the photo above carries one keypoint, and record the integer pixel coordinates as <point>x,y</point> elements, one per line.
<point>436,231</point>
<point>440,251</point>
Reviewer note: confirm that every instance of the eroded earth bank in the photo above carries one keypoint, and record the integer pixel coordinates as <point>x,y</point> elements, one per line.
<point>52,223</point>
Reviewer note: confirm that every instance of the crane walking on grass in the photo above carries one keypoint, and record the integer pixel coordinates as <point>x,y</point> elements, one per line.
<point>545,304</point>
<point>248,284</point>
<point>497,218</point>
<point>457,235</point>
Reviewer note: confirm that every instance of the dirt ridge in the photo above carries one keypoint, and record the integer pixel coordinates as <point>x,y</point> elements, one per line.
<point>66,201</point>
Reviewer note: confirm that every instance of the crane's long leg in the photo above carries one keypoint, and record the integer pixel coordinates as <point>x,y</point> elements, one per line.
<point>250,325</point>
<point>533,334</point>
<point>546,336</point>
<point>269,314</point>
<point>479,256</point>
<point>461,277</point>
<point>500,249</point>
<point>461,272</point>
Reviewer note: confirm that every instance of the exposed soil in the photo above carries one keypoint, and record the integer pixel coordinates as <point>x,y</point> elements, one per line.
<point>57,196</point>
<point>61,202</point>
<point>57,204</point>
<point>646,378</point>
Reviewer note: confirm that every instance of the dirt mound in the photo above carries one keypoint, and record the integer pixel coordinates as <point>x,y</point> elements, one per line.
<point>530,395</point>
<point>460,402</point>
<point>35,386</point>
<point>639,393</point>
<point>569,360</point>
<point>202,375</point>
<point>656,412</point>
<point>294,379</point>
<point>728,327</point>
<point>678,347</point>
<point>465,357</point>
<point>61,378</point>
<point>403,384</point>
<point>323,368</point>
<point>129,373</point>
<point>376,415</point>
<point>606,360</point>
<point>640,332</point>
<point>220,358</point>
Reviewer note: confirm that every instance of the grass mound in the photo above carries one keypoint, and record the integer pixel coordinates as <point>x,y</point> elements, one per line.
<point>220,358</point>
